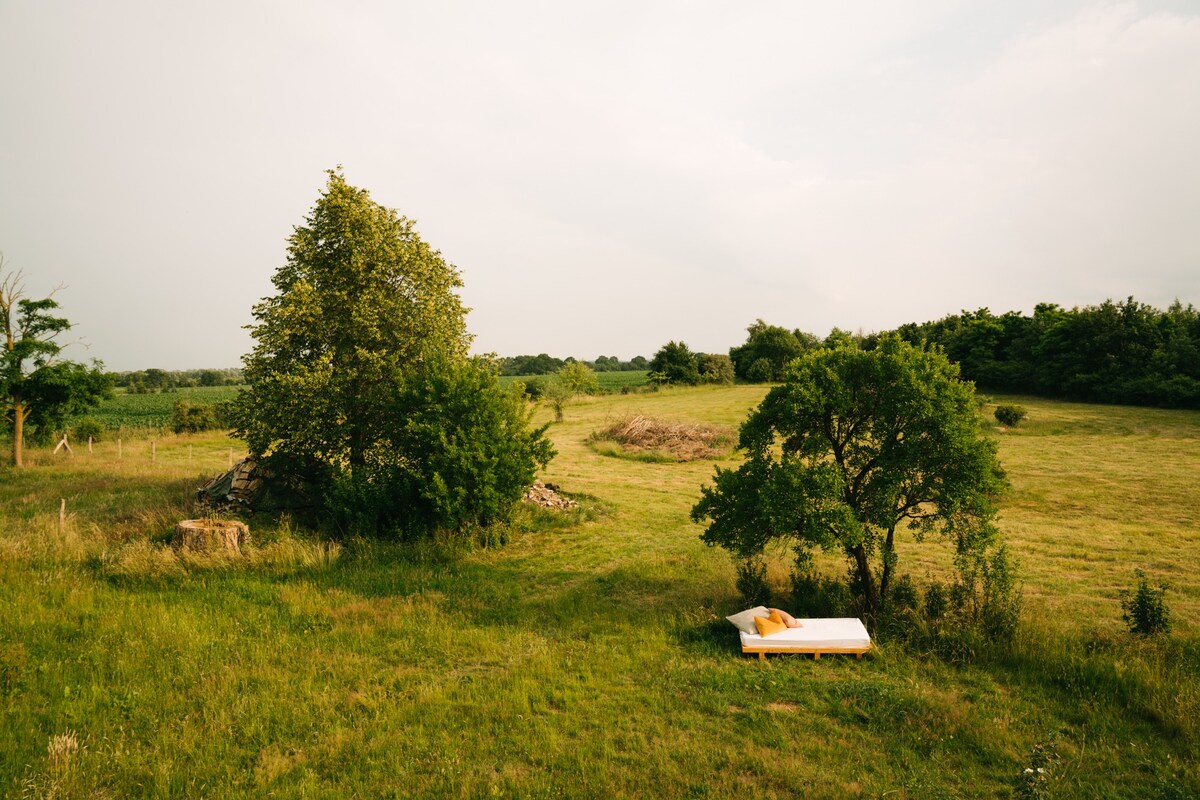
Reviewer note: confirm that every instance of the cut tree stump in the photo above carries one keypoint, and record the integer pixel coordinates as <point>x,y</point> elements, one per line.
<point>210,534</point>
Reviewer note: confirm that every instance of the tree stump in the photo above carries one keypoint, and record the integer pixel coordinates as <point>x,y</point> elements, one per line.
<point>210,534</point>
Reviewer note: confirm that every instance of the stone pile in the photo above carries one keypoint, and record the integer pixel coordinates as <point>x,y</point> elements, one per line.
<point>547,496</point>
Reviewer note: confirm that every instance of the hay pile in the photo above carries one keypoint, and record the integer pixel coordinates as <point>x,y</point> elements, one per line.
<point>682,441</point>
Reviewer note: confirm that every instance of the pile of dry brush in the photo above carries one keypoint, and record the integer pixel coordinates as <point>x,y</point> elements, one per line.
<point>684,441</point>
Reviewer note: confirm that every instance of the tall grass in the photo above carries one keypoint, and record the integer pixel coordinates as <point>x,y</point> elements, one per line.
<point>585,660</point>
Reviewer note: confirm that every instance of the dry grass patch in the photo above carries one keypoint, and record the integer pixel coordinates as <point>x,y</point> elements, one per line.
<point>645,438</point>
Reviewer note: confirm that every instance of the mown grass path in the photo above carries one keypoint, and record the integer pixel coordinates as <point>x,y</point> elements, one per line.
<point>590,661</point>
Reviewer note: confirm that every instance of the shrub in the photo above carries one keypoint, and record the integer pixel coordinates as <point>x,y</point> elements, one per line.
<point>814,595</point>
<point>1144,609</point>
<point>675,363</point>
<point>87,428</point>
<point>458,457</point>
<point>714,368</point>
<point>760,371</point>
<point>189,417</point>
<point>534,389</point>
<point>752,581</point>
<point>1010,415</point>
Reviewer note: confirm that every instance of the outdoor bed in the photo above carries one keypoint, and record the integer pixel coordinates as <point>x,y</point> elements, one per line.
<point>814,636</point>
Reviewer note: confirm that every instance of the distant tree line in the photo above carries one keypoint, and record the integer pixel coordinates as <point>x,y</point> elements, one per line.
<point>544,364</point>
<point>1127,352</point>
<point>150,381</point>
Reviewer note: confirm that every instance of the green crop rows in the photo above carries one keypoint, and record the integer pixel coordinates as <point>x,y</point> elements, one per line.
<point>144,411</point>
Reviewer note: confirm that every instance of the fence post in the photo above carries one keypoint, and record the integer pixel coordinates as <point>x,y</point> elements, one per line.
<point>62,515</point>
<point>89,445</point>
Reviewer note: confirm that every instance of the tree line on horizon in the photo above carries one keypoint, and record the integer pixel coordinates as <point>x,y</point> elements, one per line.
<point>1127,353</point>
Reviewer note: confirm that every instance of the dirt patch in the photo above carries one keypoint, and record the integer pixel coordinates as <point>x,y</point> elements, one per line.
<point>679,441</point>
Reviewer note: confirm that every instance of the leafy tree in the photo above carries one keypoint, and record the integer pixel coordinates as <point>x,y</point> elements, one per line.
<point>361,299</point>
<point>578,377</point>
<point>854,445</point>
<point>39,389</point>
<point>675,363</point>
<point>574,378</point>
<point>59,391</point>
<point>359,379</point>
<point>767,350</point>
<point>714,368</point>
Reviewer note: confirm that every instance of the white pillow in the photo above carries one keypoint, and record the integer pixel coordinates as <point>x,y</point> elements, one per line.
<point>744,621</point>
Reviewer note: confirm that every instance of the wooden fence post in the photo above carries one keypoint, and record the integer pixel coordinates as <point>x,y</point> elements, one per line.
<point>89,445</point>
<point>62,515</point>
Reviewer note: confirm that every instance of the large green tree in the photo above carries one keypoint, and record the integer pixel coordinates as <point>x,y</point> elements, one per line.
<point>360,298</point>
<point>853,447</point>
<point>344,385</point>
<point>39,389</point>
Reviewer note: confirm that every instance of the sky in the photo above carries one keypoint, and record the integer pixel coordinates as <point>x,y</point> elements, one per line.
<point>606,176</point>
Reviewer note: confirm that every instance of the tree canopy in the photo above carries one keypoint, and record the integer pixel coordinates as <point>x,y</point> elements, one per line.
<point>853,446</point>
<point>40,390</point>
<point>360,298</point>
<point>363,310</point>
<point>1126,352</point>
<point>767,351</point>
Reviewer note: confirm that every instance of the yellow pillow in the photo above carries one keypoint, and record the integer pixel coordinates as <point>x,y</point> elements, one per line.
<point>775,617</point>
<point>767,626</point>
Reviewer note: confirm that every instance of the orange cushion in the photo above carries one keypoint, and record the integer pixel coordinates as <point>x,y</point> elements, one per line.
<point>766,626</point>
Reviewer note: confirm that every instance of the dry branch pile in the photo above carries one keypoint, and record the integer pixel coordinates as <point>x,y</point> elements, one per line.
<point>685,441</point>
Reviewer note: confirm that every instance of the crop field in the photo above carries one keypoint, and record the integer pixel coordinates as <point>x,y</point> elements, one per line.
<point>144,412</point>
<point>589,658</point>
<point>609,381</point>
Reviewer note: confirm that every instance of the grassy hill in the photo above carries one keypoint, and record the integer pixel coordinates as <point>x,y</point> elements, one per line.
<point>589,660</point>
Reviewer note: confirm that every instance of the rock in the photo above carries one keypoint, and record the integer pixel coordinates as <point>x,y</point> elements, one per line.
<point>547,496</point>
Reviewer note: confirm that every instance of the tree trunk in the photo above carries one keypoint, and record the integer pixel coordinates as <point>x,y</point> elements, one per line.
<point>889,563</point>
<point>20,411</point>
<point>862,568</point>
<point>210,534</point>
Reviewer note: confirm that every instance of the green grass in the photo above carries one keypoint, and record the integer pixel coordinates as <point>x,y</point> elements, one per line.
<point>139,413</point>
<point>583,661</point>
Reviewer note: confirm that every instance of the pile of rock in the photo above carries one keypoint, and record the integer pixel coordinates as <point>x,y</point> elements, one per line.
<point>546,495</point>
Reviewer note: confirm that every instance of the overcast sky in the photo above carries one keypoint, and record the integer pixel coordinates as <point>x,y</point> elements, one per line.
<point>606,176</point>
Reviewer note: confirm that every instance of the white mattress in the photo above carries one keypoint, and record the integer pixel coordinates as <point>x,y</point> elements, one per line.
<point>847,633</point>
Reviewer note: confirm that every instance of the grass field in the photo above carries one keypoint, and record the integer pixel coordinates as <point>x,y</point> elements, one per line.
<point>589,661</point>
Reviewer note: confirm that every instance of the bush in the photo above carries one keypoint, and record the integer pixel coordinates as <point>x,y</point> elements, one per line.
<point>189,417</point>
<point>714,368</point>
<point>87,428</point>
<point>458,457</point>
<point>534,389</point>
<point>752,581</point>
<point>1144,609</point>
<point>814,595</point>
<point>1010,415</point>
